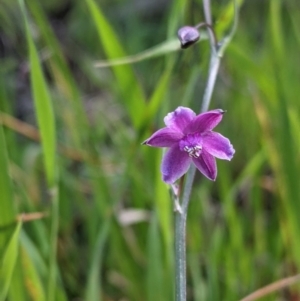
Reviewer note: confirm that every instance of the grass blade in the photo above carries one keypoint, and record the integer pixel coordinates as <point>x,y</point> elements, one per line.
<point>93,291</point>
<point>126,80</point>
<point>9,262</point>
<point>7,210</point>
<point>62,75</point>
<point>46,122</point>
<point>43,105</point>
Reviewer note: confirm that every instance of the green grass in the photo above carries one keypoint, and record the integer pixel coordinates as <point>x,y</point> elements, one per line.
<point>106,229</point>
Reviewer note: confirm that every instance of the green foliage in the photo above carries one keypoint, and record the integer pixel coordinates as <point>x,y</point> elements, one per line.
<point>93,291</point>
<point>43,106</point>
<point>8,262</point>
<point>130,89</point>
<point>103,229</point>
<point>7,206</point>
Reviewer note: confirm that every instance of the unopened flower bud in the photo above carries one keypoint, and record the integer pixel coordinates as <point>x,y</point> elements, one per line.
<point>188,35</point>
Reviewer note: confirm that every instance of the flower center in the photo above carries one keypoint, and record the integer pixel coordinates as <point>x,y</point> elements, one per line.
<point>192,144</point>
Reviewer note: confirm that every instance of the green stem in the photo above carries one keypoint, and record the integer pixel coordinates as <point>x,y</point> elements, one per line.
<point>180,233</point>
<point>181,214</point>
<point>212,76</point>
<point>53,245</point>
<point>180,267</point>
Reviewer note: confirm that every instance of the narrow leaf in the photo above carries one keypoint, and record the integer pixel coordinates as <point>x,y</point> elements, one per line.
<point>7,212</point>
<point>93,291</point>
<point>8,263</point>
<point>130,90</point>
<point>43,105</point>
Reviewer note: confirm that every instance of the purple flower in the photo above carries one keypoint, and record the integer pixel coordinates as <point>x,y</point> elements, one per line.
<point>191,140</point>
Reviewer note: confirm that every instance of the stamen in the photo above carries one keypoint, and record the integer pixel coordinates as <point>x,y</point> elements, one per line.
<point>194,151</point>
<point>192,144</point>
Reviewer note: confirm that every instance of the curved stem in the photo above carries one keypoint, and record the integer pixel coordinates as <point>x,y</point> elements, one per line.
<point>212,34</point>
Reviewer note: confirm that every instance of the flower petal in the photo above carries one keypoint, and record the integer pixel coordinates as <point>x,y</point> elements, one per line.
<point>164,137</point>
<point>205,121</point>
<point>206,164</point>
<point>175,164</point>
<point>218,145</point>
<point>180,118</point>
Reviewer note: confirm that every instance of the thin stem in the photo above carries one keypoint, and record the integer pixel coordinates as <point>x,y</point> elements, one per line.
<point>224,43</point>
<point>208,19</point>
<point>214,40</point>
<point>187,189</point>
<point>53,246</point>
<point>180,256</point>
<point>207,11</point>
<point>216,54</point>
<point>214,65</point>
<point>180,241</point>
<point>181,216</point>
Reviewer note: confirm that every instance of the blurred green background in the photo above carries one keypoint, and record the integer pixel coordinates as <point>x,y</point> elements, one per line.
<point>97,219</point>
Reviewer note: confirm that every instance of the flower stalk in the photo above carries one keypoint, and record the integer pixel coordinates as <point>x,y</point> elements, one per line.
<point>214,40</point>
<point>181,216</point>
<point>180,238</point>
<point>192,143</point>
